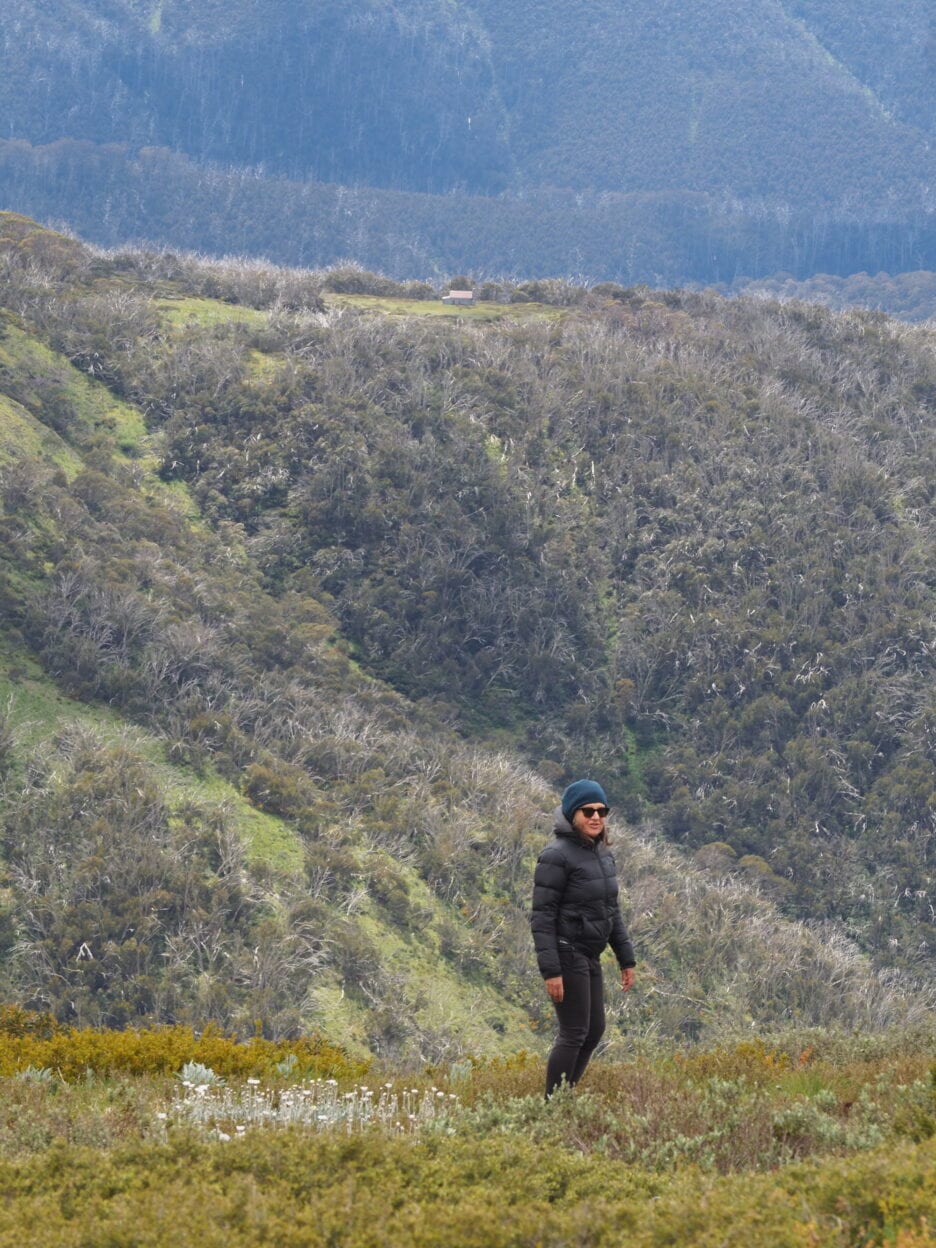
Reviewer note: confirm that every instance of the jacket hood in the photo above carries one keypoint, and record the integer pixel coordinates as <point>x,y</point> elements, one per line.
<point>561,825</point>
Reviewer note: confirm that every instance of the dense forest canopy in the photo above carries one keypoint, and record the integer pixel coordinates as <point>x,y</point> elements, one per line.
<point>756,100</point>
<point>696,141</point>
<point>313,595</point>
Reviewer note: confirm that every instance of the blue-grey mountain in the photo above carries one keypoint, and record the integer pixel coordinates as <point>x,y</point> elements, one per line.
<point>716,138</point>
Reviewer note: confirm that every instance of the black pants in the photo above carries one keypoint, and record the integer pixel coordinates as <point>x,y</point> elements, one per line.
<point>581,1018</point>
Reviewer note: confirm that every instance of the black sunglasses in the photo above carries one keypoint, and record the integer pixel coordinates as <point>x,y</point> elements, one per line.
<point>588,811</point>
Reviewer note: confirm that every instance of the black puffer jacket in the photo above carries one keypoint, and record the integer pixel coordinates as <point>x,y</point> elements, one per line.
<point>575,900</point>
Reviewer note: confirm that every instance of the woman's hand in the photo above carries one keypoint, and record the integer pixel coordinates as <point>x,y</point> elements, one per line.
<point>555,989</point>
<point>627,978</point>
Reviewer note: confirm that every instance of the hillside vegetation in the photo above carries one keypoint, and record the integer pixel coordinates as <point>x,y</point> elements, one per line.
<point>308,610</point>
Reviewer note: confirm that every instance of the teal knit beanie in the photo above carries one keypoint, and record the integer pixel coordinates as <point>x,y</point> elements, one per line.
<point>580,794</point>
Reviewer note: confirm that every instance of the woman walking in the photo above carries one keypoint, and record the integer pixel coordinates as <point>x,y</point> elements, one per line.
<point>576,915</point>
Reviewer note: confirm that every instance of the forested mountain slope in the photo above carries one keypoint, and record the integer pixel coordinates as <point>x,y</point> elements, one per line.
<point>762,99</point>
<point>800,133</point>
<point>378,94</point>
<point>337,599</point>
<point>890,49</point>
<point>746,99</point>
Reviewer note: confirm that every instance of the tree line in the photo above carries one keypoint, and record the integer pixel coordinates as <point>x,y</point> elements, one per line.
<point>113,194</point>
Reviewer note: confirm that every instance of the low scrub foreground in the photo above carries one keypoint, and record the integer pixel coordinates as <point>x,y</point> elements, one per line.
<point>809,1138</point>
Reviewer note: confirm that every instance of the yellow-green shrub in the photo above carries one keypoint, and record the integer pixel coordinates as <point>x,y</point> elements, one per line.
<point>297,1191</point>
<point>38,1041</point>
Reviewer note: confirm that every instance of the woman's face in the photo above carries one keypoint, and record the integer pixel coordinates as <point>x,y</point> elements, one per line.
<point>588,822</point>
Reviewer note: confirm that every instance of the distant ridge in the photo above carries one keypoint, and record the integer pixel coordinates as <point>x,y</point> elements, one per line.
<point>806,128</point>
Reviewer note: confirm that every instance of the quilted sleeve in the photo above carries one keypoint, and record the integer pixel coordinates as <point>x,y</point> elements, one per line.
<point>549,883</point>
